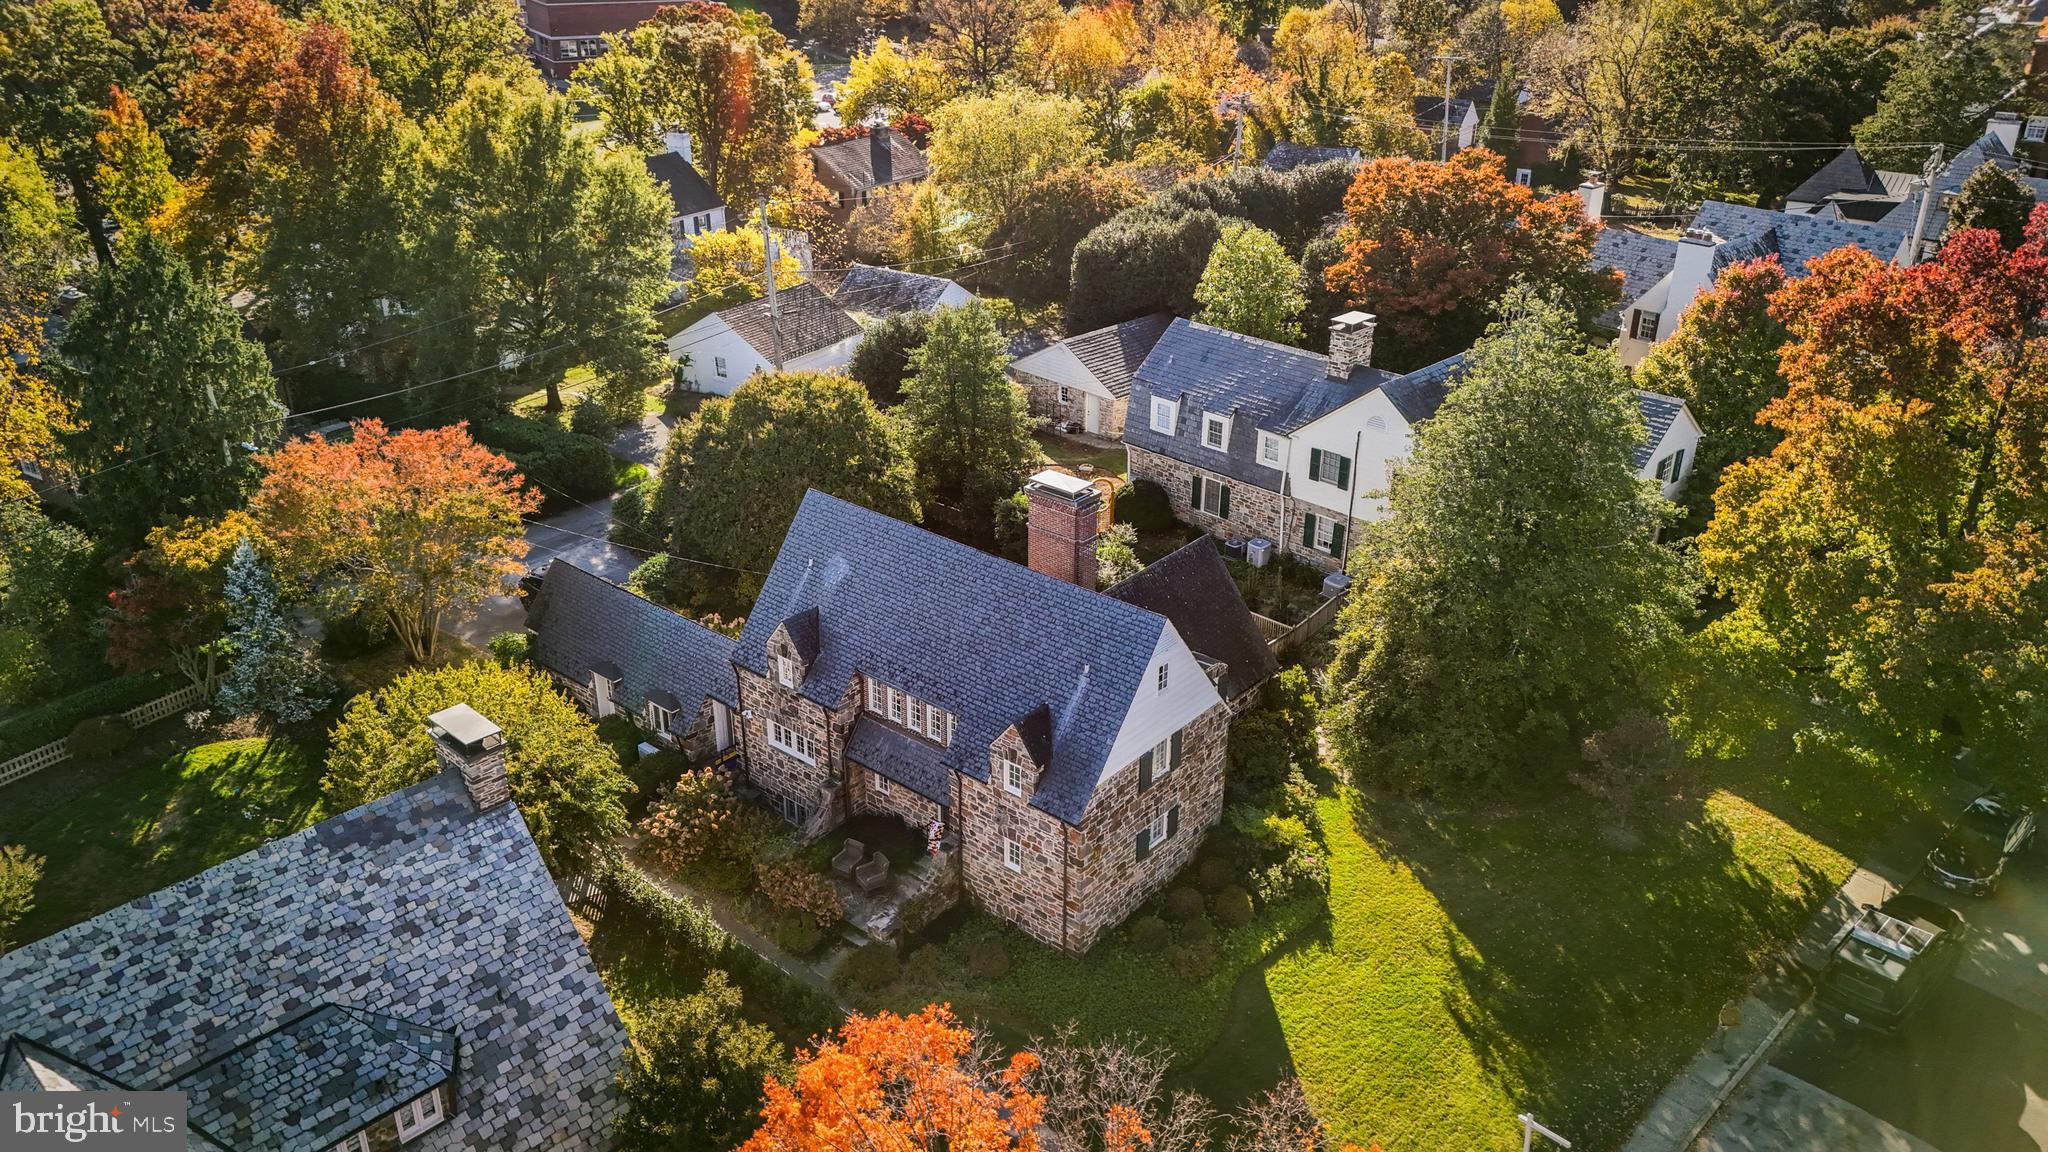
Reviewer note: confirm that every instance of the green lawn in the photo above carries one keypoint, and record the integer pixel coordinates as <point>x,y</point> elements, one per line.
<point>1108,459</point>
<point>116,829</point>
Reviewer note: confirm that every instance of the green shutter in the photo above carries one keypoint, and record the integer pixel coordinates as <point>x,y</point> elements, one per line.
<point>1223,501</point>
<point>1144,843</point>
<point>1174,759</point>
<point>1336,540</point>
<point>1195,500</point>
<point>1145,770</point>
<point>1315,463</point>
<point>1308,530</point>
<point>1344,473</point>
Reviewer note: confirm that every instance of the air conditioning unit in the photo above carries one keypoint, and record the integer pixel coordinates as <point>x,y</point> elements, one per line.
<point>1259,551</point>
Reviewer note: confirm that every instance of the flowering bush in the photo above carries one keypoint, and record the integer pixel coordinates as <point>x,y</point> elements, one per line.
<point>699,826</point>
<point>789,884</point>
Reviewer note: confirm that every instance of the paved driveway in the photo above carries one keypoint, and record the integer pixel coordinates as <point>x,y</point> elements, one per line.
<point>1967,1073</point>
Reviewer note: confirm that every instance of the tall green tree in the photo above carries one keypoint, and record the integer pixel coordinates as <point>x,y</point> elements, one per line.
<point>47,584</point>
<point>1515,595</point>
<point>562,251</point>
<point>1945,75</point>
<point>1994,198</point>
<point>58,67</point>
<point>694,1072</point>
<point>967,423</point>
<point>1249,286</point>
<point>736,471</point>
<point>270,671</point>
<point>167,392</point>
<point>36,250</point>
<point>986,150</point>
<point>424,52</point>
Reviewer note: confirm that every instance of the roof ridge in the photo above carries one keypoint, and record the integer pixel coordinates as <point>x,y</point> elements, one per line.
<point>618,587</point>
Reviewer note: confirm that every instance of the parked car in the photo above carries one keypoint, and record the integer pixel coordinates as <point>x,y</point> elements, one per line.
<point>1889,959</point>
<point>1972,853</point>
<point>530,583</point>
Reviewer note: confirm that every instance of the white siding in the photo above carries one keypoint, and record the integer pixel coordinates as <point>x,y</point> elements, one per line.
<point>827,359</point>
<point>704,343</point>
<point>1684,434</point>
<point>1369,431</point>
<point>1155,715</point>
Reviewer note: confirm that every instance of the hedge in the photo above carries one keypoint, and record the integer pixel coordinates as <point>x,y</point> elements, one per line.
<point>51,722</point>
<point>563,465</point>
<point>683,933</point>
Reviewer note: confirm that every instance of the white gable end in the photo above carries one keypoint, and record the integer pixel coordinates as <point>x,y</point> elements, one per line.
<point>1155,715</point>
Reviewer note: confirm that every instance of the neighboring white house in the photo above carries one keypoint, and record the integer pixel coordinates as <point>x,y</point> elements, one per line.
<point>803,331</point>
<point>873,292</point>
<point>1667,454</point>
<point>1464,126</point>
<point>1086,379</point>
<point>694,206</point>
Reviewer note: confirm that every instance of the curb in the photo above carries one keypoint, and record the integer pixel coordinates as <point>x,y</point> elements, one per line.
<point>1738,1077</point>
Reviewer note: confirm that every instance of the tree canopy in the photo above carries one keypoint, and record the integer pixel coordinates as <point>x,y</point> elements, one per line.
<point>965,421</point>
<point>1249,286</point>
<point>694,1071</point>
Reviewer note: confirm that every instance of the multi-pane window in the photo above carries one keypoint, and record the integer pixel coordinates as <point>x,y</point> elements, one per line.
<point>1215,432</point>
<point>1644,325</point>
<point>1159,831</point>
<point>1211,497</point>
<point>790,740</point>
<point>928,720</point>
<point>1013,855</point>
<point>1162,677</point>
<point>1330,468</point>
<point>1013,775</point>
<point>881,785</point>
<point>718,365</point>
<point>1270,450</point>
<point>1671,467</point>
<point>785,671</point>
<point>360,1142</point>
<point>659,718</point>
<point>1164,413</point>
<point>420,1115</point>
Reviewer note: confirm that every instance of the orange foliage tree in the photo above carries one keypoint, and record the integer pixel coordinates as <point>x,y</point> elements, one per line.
<point>892,1083</point>
<point>1431,247</point>
<point>416,525</point>
<point>1892,542</point>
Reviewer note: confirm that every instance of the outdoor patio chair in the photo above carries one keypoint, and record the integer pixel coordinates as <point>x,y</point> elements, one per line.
<point>873,875</point>
<point>843,863</point>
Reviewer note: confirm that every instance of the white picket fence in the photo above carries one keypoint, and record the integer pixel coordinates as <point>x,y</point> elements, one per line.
<point>35,760</point>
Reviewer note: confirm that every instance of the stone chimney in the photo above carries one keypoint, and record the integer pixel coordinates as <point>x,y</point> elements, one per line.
<point>2006,126</point>
<point>1593,195</point>
<point>1350,344</point>
<point>1692,272</point>
<point>880,158</point>
<point>679,143</point>
<point>474,748</point>
<point>1065,512</point>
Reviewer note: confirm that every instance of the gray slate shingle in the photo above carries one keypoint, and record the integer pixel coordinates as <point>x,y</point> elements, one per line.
<point>581,620</point>
<point>1192,587</point>
<point>688,192</point>
<point>1659,413</point>
<point>809,319</point>
<point>885,291</point>
<point>1286,156</point>
<point>1641,259</point>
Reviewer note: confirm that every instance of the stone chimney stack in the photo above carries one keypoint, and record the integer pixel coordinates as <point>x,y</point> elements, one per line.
<point>1350,344</point>
<point>679,143</point>
<point>475,749</point>
<point>1593,195</point>
<point>2006,126</point>
<point>1065,512</point>
<point>880,158</point>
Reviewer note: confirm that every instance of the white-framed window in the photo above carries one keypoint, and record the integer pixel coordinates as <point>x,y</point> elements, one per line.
<point>1066,395</point>
<point>1013,775</point>
<point>360,1142</point>
<point>2037,129</point>
<point>882,786</point>
<point>1013,855</point>
<point>1326,534</point>
<point>785,671</point>
<point>1332,469</point>
<point>1212,497</point>
<point>659,718</point>
<point>896,703</point>
<point>1160,828</point>
<point>1215,432</point>
<point>569,49</point>
<point>1162,677</point>
<point>790,740</point>
<point>1643,325</point>
<point>1271,450</point>
<point>1671,467</point>
<point>934,724</point>
<point>718,365</point>
<point>1524,177</point>
<point>790,810</point>
<point>875,696</point>
<point>1165,413</point>
<point>420,1115</point>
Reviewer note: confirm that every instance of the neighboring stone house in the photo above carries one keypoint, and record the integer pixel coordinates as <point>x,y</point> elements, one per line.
<point>875,292</point>
<point>1186,586</point>
<point>694,206</point>
<point>1070,746</point>
<point>853,170</point>
<point>402,973</point>
<point>802,329</point>
<point>1085,380</point>
<point>1252,439</point>
<point>617,653</point>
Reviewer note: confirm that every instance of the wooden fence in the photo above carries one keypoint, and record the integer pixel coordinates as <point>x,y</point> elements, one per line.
<point>1310,625</point>
<point>37,759</point>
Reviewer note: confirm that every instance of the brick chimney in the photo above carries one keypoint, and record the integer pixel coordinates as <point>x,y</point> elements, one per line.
<point>1064,513</point>
<point>474,748</point>
<point>1350,344</point>
<point>1593,195</point>
<point>880,158</point>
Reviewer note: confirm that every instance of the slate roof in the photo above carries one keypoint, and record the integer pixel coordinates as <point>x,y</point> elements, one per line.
<point>688,192</point>
<point>413,906</point>
<point>1429,112</point>
<point>916,764</point>
<point>316,1079</point>
<point>1641,258</point>
<point>1847,173</point>
<point>1260,383</point>
<point>1110,354</point>
<point>1286,156</point>
<point>1751,232</point>
<point>852,162</point>
<point>885,291</point>
<point>810,321</point>
<point>581,620</point>
<point>985,639</point>
<point>1988,149</point>
<point>1420,393</point>
<point>1659,412</point>
<point>1192,587</point>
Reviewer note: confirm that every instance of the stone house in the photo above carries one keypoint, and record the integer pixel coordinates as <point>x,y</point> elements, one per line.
<point>1085,380</point>
<point>403,973</point>
<point>616,653</point>
<point>1069,745</point>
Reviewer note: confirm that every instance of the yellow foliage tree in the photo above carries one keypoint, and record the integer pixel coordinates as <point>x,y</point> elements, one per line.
<point>728,267</point>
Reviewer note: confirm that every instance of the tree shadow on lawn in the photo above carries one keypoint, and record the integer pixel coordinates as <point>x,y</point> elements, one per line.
<point>1588,970</point>
<point>1250,1056</point>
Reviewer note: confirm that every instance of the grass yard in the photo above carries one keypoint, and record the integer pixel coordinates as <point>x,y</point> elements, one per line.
<point>116,829</point>
<point>1072,453</point>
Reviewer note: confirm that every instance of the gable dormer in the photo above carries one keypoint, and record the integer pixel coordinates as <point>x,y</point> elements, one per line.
<point>793,649</point>
<point>1020,756</point>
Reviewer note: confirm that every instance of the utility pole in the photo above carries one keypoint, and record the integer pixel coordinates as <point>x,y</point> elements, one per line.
<point>768,272</point>
<point>1928,172</point>
<point>1447,57</point>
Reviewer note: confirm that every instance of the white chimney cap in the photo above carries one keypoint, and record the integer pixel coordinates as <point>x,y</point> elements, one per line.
<point>1349,320</point>
<point>464,725</point>
<point>1062,483</point>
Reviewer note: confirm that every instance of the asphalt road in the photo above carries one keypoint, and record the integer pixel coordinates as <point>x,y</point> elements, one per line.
<point>1968,1072</point>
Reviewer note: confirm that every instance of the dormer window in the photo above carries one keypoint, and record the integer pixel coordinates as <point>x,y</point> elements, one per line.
<point>1216,431</point>
<point>1272,450</point>
<point>785,671</point>
<point>422,1114</point>
<point>1013,774</point>
<point>1165,414</point>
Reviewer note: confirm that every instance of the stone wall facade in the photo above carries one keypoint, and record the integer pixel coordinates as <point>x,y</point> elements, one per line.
<point>1042,396</point>
<point>1297,511</point>
<point>814,786</point>
<point>1034,896</point>
<point>1254,511</point>
<point>869,793</point>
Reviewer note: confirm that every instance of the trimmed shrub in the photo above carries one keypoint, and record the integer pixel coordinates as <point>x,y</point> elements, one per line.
<point>1144,506</point>
<point>1192,962</point>
<point>98,737</point>
<point>1148,933</point>
<point>563,466</point>
<point>1200,930</point>
<point>926,966</point>
<point>1213,873</point>
<point>797,932</point>
<point>510,648</point>
<point>869,969</point>
<point>52,722</point>
<point>588,418</point>
<point>1183,904</point>
<point>989,959</point>
<point>1233,906</point>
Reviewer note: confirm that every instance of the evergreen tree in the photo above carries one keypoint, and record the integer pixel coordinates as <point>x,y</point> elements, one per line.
<point>1992,197</point>
<point>966,420</point>
<point>271,672</point>
<point>1945,75</point>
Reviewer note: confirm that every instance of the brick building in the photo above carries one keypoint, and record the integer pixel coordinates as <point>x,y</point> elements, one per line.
<point>561,34</point>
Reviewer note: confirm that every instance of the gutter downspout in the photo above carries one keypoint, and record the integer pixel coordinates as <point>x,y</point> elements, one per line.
<point>1351,512</point>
